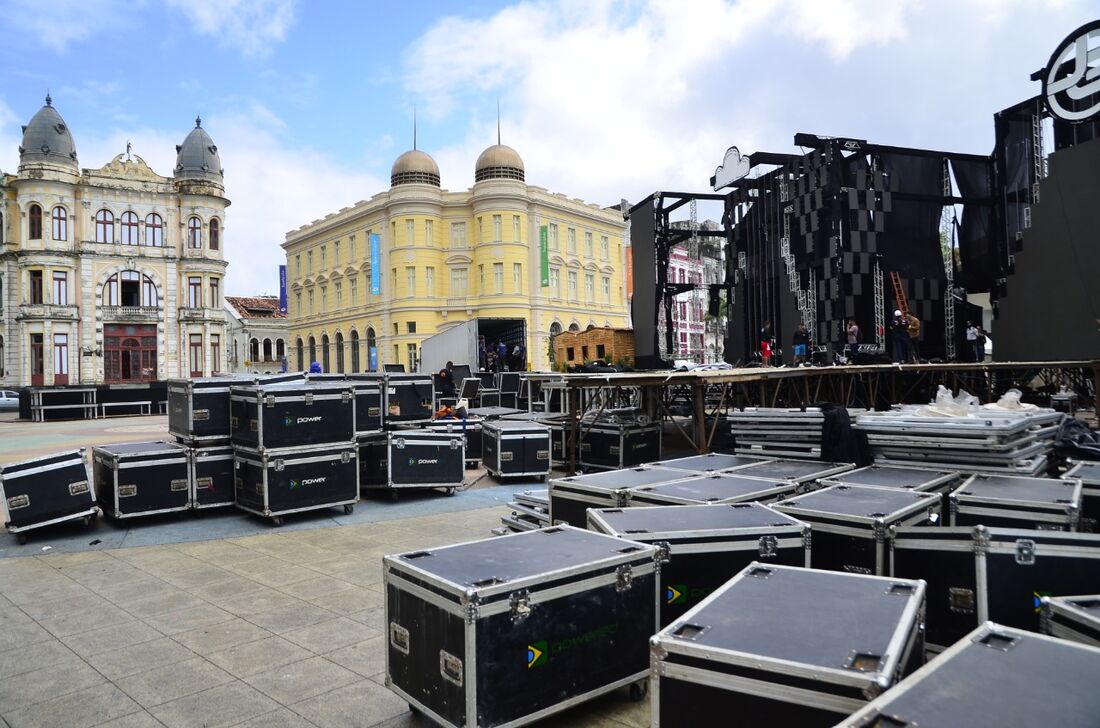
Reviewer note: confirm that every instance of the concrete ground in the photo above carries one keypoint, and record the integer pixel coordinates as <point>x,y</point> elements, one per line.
<point>219,619</point>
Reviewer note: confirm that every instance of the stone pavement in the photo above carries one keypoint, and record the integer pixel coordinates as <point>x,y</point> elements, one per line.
<point>279,629</point>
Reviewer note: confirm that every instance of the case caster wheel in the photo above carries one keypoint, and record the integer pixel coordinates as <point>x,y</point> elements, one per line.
<point>88,520</point>
<point>21,538</point>
<point>413,709</point>
<point>639,690</point>
<point>349,509</point>
<point>277,520</point>
<point>451,491</point>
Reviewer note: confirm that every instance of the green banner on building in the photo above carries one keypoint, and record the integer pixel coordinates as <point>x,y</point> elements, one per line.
<point>544,256</point>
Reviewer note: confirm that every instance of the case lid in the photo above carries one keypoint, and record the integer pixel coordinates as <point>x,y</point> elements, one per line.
<point>1087,606</point>
<point>673,521</point>
<point>627,478</point>
<point>1087,472</point>
<point>714,487</point>
<point>494,411</point>
<point>1014,488</point>
<point>516,427</point>
<point>995,676</point>
<point>53,460</point>
<point>794,469</point>
<point>861,501</point>
<point>123,449</point>
<point>710,462</point>
<point>824,619</point>
<point>892,476</point>
<point>291,389</point>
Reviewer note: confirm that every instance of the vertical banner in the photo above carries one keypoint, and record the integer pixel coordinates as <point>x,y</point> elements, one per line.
<point>373,357</point>
<point>375,266</point>
<point>282,289</point>
<point>544,256</point>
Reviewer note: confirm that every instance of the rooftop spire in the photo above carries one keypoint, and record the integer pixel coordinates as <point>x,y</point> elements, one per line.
<point>198,121</point>
<point>49,99</point>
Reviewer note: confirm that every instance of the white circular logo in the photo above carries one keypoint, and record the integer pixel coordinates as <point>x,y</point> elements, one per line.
<point>1071,80</point>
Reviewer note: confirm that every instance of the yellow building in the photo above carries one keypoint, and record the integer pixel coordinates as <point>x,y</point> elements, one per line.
<point>440,258</point>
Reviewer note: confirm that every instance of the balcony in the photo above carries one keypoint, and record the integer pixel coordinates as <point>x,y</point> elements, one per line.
<point>44,311</point>
<point>131,314</point>
<point>194,315</point>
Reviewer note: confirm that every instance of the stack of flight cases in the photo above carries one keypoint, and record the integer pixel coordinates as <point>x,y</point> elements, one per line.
<point>559,432</point>
<point>1074,618</point>
<point>516,449</point>
<point>398,460</point>
<point>530,510</point>
<point>802,472</point>
<point>468,428</point>
<point>994,676</point>
<point>851,523</point>
<point>710,462</point>
<point>711,488</point>
<point>786,646</point>
<point>702,547</point>
<point>141,478</point>
<point>508,630</point>
<point>618,439</point>
<point>991,574</point>
<point>1016,502</point>
<point>294,447</point>
<point>572,496</point>
<point>1088,472</point>
<point>46,490</point>
<point>369,404</point>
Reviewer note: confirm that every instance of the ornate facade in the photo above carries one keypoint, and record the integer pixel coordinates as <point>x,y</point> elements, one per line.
<point>110,275</point>
<point>445,257</point>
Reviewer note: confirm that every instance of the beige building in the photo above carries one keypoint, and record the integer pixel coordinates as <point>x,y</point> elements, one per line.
<point>112,274</point>
<point>370,282</point>
<point>257,334</point>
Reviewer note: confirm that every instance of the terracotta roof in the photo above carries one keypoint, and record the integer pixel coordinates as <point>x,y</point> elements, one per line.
<point>255,306</point>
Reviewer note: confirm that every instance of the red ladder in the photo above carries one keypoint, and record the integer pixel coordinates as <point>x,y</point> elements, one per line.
<point>899,293</point>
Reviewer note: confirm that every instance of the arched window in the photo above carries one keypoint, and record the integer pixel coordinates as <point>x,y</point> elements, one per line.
<point>194,232</point>
<point>129,222</point>
<point>555,329</point>
<point>574,326</point>
<point>324,353</point>
<point>312,351</point>
<point>215,234</point>
<point>104,227</point>
<point>267,349</point>
<point>130,288</point>
<point>154,230</point>
<point>254,350</point>
<point>339,352</point>
<point>354,337</point>
<point>60,223</point>
<point>280,349</point>
<point>301,355</point>
<point>372,350</point>
<point>35,228</point>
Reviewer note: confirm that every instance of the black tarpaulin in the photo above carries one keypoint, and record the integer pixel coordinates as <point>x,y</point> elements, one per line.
<point>977,249</point>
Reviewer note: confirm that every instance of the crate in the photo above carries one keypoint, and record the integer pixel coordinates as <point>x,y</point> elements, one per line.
<point>516,449</point>
<point>46,490</point>
<point>608,445</point>
<point>920,480</point>
<point>470,429</point>
<point>800,471</point>
<point>141,478</point>
<point>713,488</point>
<point>703,547</point>
<point>412,459</point>
<point>408,398</point>
<point>212,476</point>
<point>368,397</point>
<point>1016,502</point>
<point>509,630</point>
<point>199,409</point>
<point>272,417</point>
<point>1088,472</point>
<point>274,483</point>
<point>559,433</point>
<point>572,496</point>
<point>1072,618</point>
<point>710,463</point>
<point>787,646</point>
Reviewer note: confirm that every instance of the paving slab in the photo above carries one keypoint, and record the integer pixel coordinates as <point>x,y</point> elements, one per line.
<point>81,709</point>
<point>225,705</point>
<point>297,681</point>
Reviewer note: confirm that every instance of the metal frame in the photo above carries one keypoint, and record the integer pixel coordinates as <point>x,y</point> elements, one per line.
<point>963,501</point>
<point>1061,614</point>
<point>193,462</point>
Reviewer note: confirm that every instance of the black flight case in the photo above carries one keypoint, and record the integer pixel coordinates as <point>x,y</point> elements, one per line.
<point>1016,502</point>
<point>508,630</point>
<point>994,676</point>
<point>199,410</point>
<point>212,476</point>
<point>272,417</point>
<point>997,574</point>
<point>408,398</point>
<point>1072,618</point>
<point>46,490</point>
<point>703,547</point>
<point>712,488</point>
<point>786,646</point>
<point>559,433</point>
<point>1088,473</point>
<point>572,496</point>
<point>710,463</point>
<point>921,480</point>
<point>141,478</point>
<point>516,449</point>
<point>611,445</point>
<point>800,471</point>
<point>851,523</point>
<point>469,428</point>
<point>402,459</point>
<point>368,397</point>
<point>296,479</point>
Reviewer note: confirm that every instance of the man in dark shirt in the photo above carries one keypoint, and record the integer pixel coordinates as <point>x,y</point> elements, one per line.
<point>900,328</point>
<point>801,341</point>
<point>447,381</point>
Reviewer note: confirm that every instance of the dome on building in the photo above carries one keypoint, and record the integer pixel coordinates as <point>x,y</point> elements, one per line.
<point>414,167</point>
<point>47,139</point>
<point>499,162</point>
<point>197,157</point>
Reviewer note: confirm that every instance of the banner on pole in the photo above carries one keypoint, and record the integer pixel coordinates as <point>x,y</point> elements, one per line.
<point>282,289</point>
<point>544,256</point>
<point>375,266</point>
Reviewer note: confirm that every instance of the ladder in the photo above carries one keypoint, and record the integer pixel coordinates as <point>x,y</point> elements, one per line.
<point>899,293</point>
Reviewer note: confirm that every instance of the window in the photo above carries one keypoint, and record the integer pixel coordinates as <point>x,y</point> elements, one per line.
<point>336,254</point>
<point>298,266</point>
<point>498,277</point>
<point>60,288</point>
<point>410,280</point>
<point>601,351</point>
<point>351,248</point>
<point>515,229</point>
<point>196,354</point>
<point>459,282</point>
<point>393,234</point>
<point>215,241</point>
<point>589,287</point>
<point>458,235</point>
<point>154,233</point>
<point>338,291</point>
<point>309,262</point>
<point>354,341</point>
<point>324,257</point>
<point>588,244</point>
<point>555,282</point>
<point>605,248</point>
<point>411,349</point>
<point>300,350</point>
<point>395,325</point>
<point>194,233</point>
<point>429,281</point>
<point>572,280</point>
<point>298,303</point>
<point>36,286</point>
<point>38,360</point>
<point>372,349</point>
<point>569,353</point>
<point>215,293</point>
<point>606,284</point>
<point>339,352</point>
<point>572,241</point>
<point>311,304</point>
<point>410,232</point>
<point>411,326</point>
<point>194,292</point>
<point>353,285</point>
<point>517,277</point>
<point>480,278</point>
<point>215,345</point>
<point>129,221</point>
<point>35,219</point>
<point>429,233</point>
<point>60,355</point>
<point>60,223</point>
<point>393,291</point>
<point>312,349</point>
<point>324,300</point>
<point>104,227</point>
<point>130,288</point>
<point>497,232</point>
<point>325,367</point>
<point>480,231</point>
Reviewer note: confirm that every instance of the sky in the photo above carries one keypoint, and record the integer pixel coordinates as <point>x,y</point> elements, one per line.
<point>310,102</point>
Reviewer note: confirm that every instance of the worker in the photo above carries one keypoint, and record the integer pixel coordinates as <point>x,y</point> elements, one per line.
<point>801,342</point>
<point>912,327</point>
<point>900,329</point>
<point>766,343</point>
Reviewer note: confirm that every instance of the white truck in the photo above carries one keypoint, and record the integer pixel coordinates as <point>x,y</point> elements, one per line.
<point>464,342</point>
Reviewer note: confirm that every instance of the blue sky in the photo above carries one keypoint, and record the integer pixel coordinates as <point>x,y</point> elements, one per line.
<point>310,102</point>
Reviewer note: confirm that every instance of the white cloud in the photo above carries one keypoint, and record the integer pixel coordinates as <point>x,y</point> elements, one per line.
<point>616,99</point>
<point>250,26</point>
<point>62,22</point>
